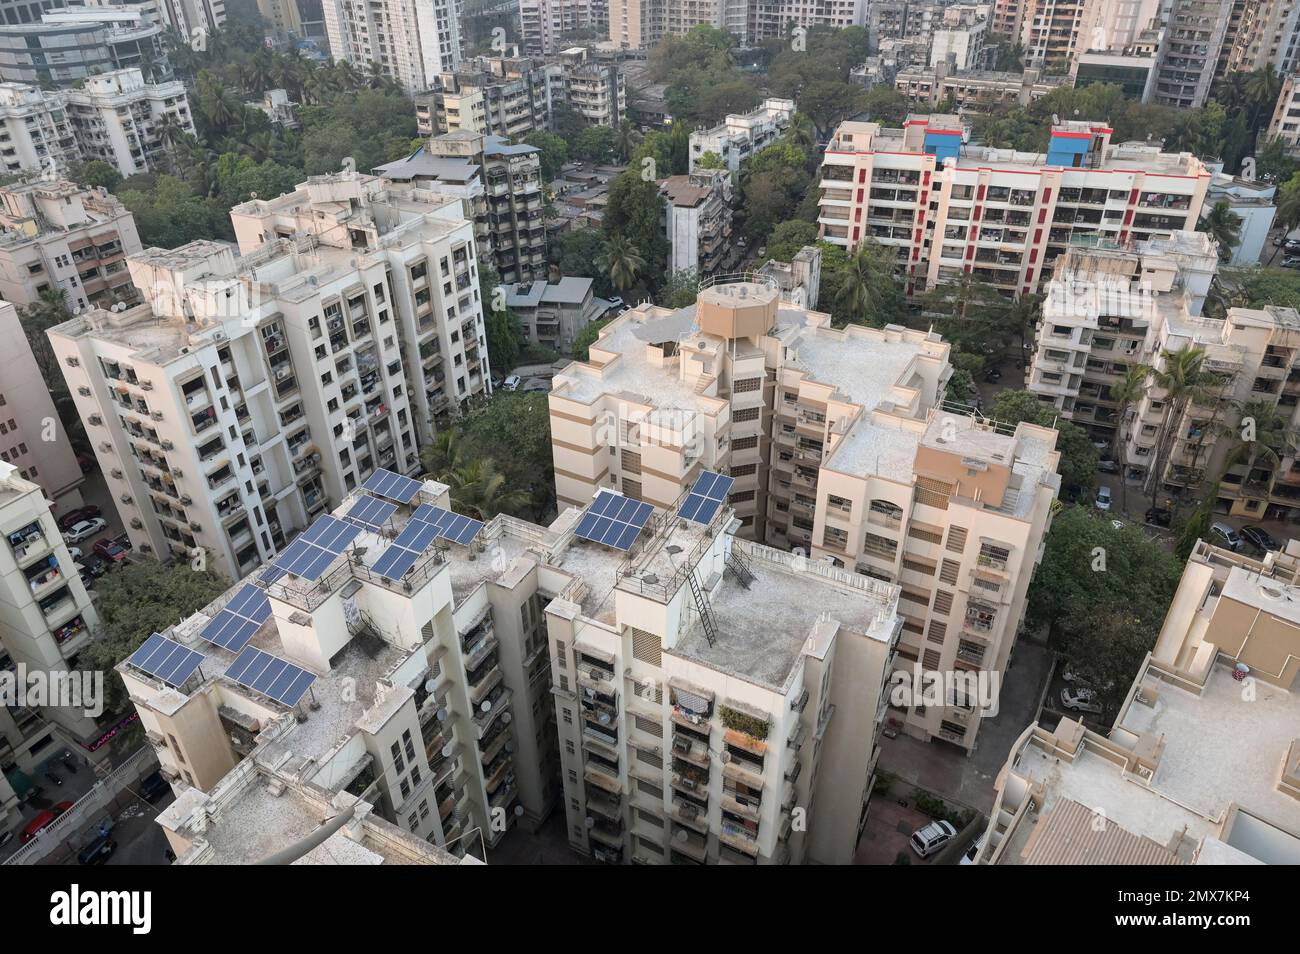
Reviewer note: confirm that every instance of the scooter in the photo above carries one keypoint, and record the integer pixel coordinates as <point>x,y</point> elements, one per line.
<point>68,761</point>
<point>51,777</point>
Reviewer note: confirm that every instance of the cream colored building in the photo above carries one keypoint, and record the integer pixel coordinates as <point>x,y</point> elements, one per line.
<point>35,131</point>
<point>245,394</point>
<point>46,618</point>
<point>840,446</point>
<point>741,136</point>
<point>946,208</point>
<point>120,119</point>
<point>411,41</point>
<point>58,235</point>
<point>1200,767</point>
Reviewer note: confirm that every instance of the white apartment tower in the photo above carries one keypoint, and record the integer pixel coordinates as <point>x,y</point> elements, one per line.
<point>128,123</point>
<point>544,22</point>
<point>412,40</point>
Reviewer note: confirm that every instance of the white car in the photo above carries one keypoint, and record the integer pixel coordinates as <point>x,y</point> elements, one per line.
<point>926,841</point>
<point>1080,700</point>
<point>972,852</point>
<point>85,528</point>
<point>1103,498</point>
<point>1222,535</point>
<point>511,383</point>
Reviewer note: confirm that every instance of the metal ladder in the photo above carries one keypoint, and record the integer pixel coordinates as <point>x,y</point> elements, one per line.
<point>740,568</point>
<point>706,615</point>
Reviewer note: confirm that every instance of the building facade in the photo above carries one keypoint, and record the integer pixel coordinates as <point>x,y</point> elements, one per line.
<point>553,314</point>
<point>120,119</point>
<point>413,42</point>
<point>1002,216</point>
<point>741,135</point>
<point>697,222</point>
<point>543,23</point>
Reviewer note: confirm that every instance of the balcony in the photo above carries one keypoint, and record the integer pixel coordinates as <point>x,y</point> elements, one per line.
<point>603,778</point>
<point>739,838</point>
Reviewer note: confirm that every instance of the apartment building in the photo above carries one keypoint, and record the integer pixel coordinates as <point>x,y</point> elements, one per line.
<point>422,689</point>
<point>56,235</point>
<point>839,446</point>
<point>120,119</point>
<point>1196,32</point>
<point>35,131</point>
<point>500,186</point>
<point>1135,73</point>
<point>33,440</point>
<point>69,45</point>
<point>960,39</point>
<point>1003,216</point>
<point>543,23</point>
<point>1007,18</point>
<point>697,221</point>
<point>46,617</point>
<point>243,395</point>
<point>799,279</point>
<point>413,42</point>
<point>1054,33</point>
<point>1097,313</point>
<point>741,135</point>
<point>1208,730</point>
<point>507,97</point>
<point>553,314</point>
<point>276,105</point>
<point>283,16</point>
<point>976,89</point>
<point>776,18</point>
<point>1285,124</point>
<point>903,19</point>
<point>595,91</point>
<point>1254,203</point>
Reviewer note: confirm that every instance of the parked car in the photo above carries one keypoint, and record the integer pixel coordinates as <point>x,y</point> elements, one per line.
<point>76,516</point>
<point>1291,261</point>
<point>926,841</point>
<point>993,375</point>
<point>5,838</point>
<point>511,383</point>
<point>973,851</point>
<point>1103,498</point>
<point>616,302</point>
<point>85,528</point>
<point>153,787</point>
<point>123,540</point>
<point>1158,516</point>
<point>43,821</point>
<point>1108,466</point>
<point>94,564</point>
<point>1259,538</point>
<point>110,550</point>
<point>1080,700</point>
<point>1222,535</point>
<point>98,851</point>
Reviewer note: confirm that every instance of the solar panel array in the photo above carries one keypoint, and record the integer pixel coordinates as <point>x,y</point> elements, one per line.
<point>614,520</point>
<point>370,513</point>
<point>166,659</point>
<point>314,550</point>
<point>385,483</point>
<point>243,616</point>
<point>702,503</point>
<point>270,675</point>
<point>416,537</point>
<point>427,523</point>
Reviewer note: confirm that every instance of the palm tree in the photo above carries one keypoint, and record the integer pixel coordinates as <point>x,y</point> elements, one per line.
<point>1263,87</point>
<point>625,140</point>
<point>442,456</point>
<point>1185,380</point>
<point>1126,395</point>
<point>478,490</point>
<point>1224,226</point>
<point>1288,211</point>
<point>1262,437</point>
<point>1023,316</point>
<point>623,261</point>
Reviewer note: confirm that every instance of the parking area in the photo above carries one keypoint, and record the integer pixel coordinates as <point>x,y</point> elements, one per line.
<point>889,827</point>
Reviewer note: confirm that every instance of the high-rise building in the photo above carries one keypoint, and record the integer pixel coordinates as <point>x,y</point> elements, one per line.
<point>1190,50</point>
<point>1207,732</point>
<point>501,188</point>
<point>63,47</point>
<point>46,617</point>
<point>508,97</point>
<point>120,119</point>
<point>412,40</point>
<point>595,91</point>
<point>37,133</point>
<point>244,394</point>
<point>740,136</point>
<point>544,23</point>
<point>840,445</point>
<point>57,235</point>
<point>1002,216</point>
<point>697,221</point>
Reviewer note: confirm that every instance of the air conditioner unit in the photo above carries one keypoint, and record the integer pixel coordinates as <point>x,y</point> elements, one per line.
<point>117,473</point>
<point>176,472</point>
<point>146,385</point>
<point>105,446</point>
<point>157,415</point>
<point>168,445</point>
<point>186,500</point>
<point>83,391</point>
<point>95,420</point>
<point>126,499</point>
<point>137,523</point>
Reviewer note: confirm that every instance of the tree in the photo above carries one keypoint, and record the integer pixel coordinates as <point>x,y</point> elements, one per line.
<point>789,238</point>
<point>504,337</point>
<point>1261,437</point>
<point>634,213</point>
<point>1125,394</point>
<point>40,316</point>
<point>1078,466</point>
<point>973,315</point>
<point>868,293</point>
<point>1185,380</point>
<point>623,262</point>
<point>1106,646</point>
<point>681,289</point>
<point>710,160</point>
<point>595,144</point>
<point>168,213</point>
<point>554,152</point>
<point>135,600</point>
<point>95,174</point>
<point>513,430</point>
<point>1224,226</point>
<point>625,140</point>
<point>579,253</point>
<point>586,338</point>
<point>478,490</point>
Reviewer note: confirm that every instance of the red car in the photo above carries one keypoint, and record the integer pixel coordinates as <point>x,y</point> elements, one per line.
<point>88,512</point>
<point>110,550</point>
<point>41,821</point>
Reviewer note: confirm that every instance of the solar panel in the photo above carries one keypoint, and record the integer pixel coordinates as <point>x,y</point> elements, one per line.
<point>614,520</point>
<point>243,616</point>
<point>702,503</point>
<point>454,527</point>
<point>270,675</point>
<point>315,549</point>
<point>166,659</point>
<point>385,483</point>
<point>370,513</point>
<point>416,537</point>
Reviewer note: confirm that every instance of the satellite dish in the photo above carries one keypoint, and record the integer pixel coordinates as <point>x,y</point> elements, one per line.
<point>724,758</point>
<point>485,707</point>
<point>680,835</point>
<point>590,822</point>
<point>505,719</point>
<point>448,749</point>
<point>441,714</point>
<point>510,746</point>
<point>603,718</point>
<point>428,685</point>
<point>519,811</point>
